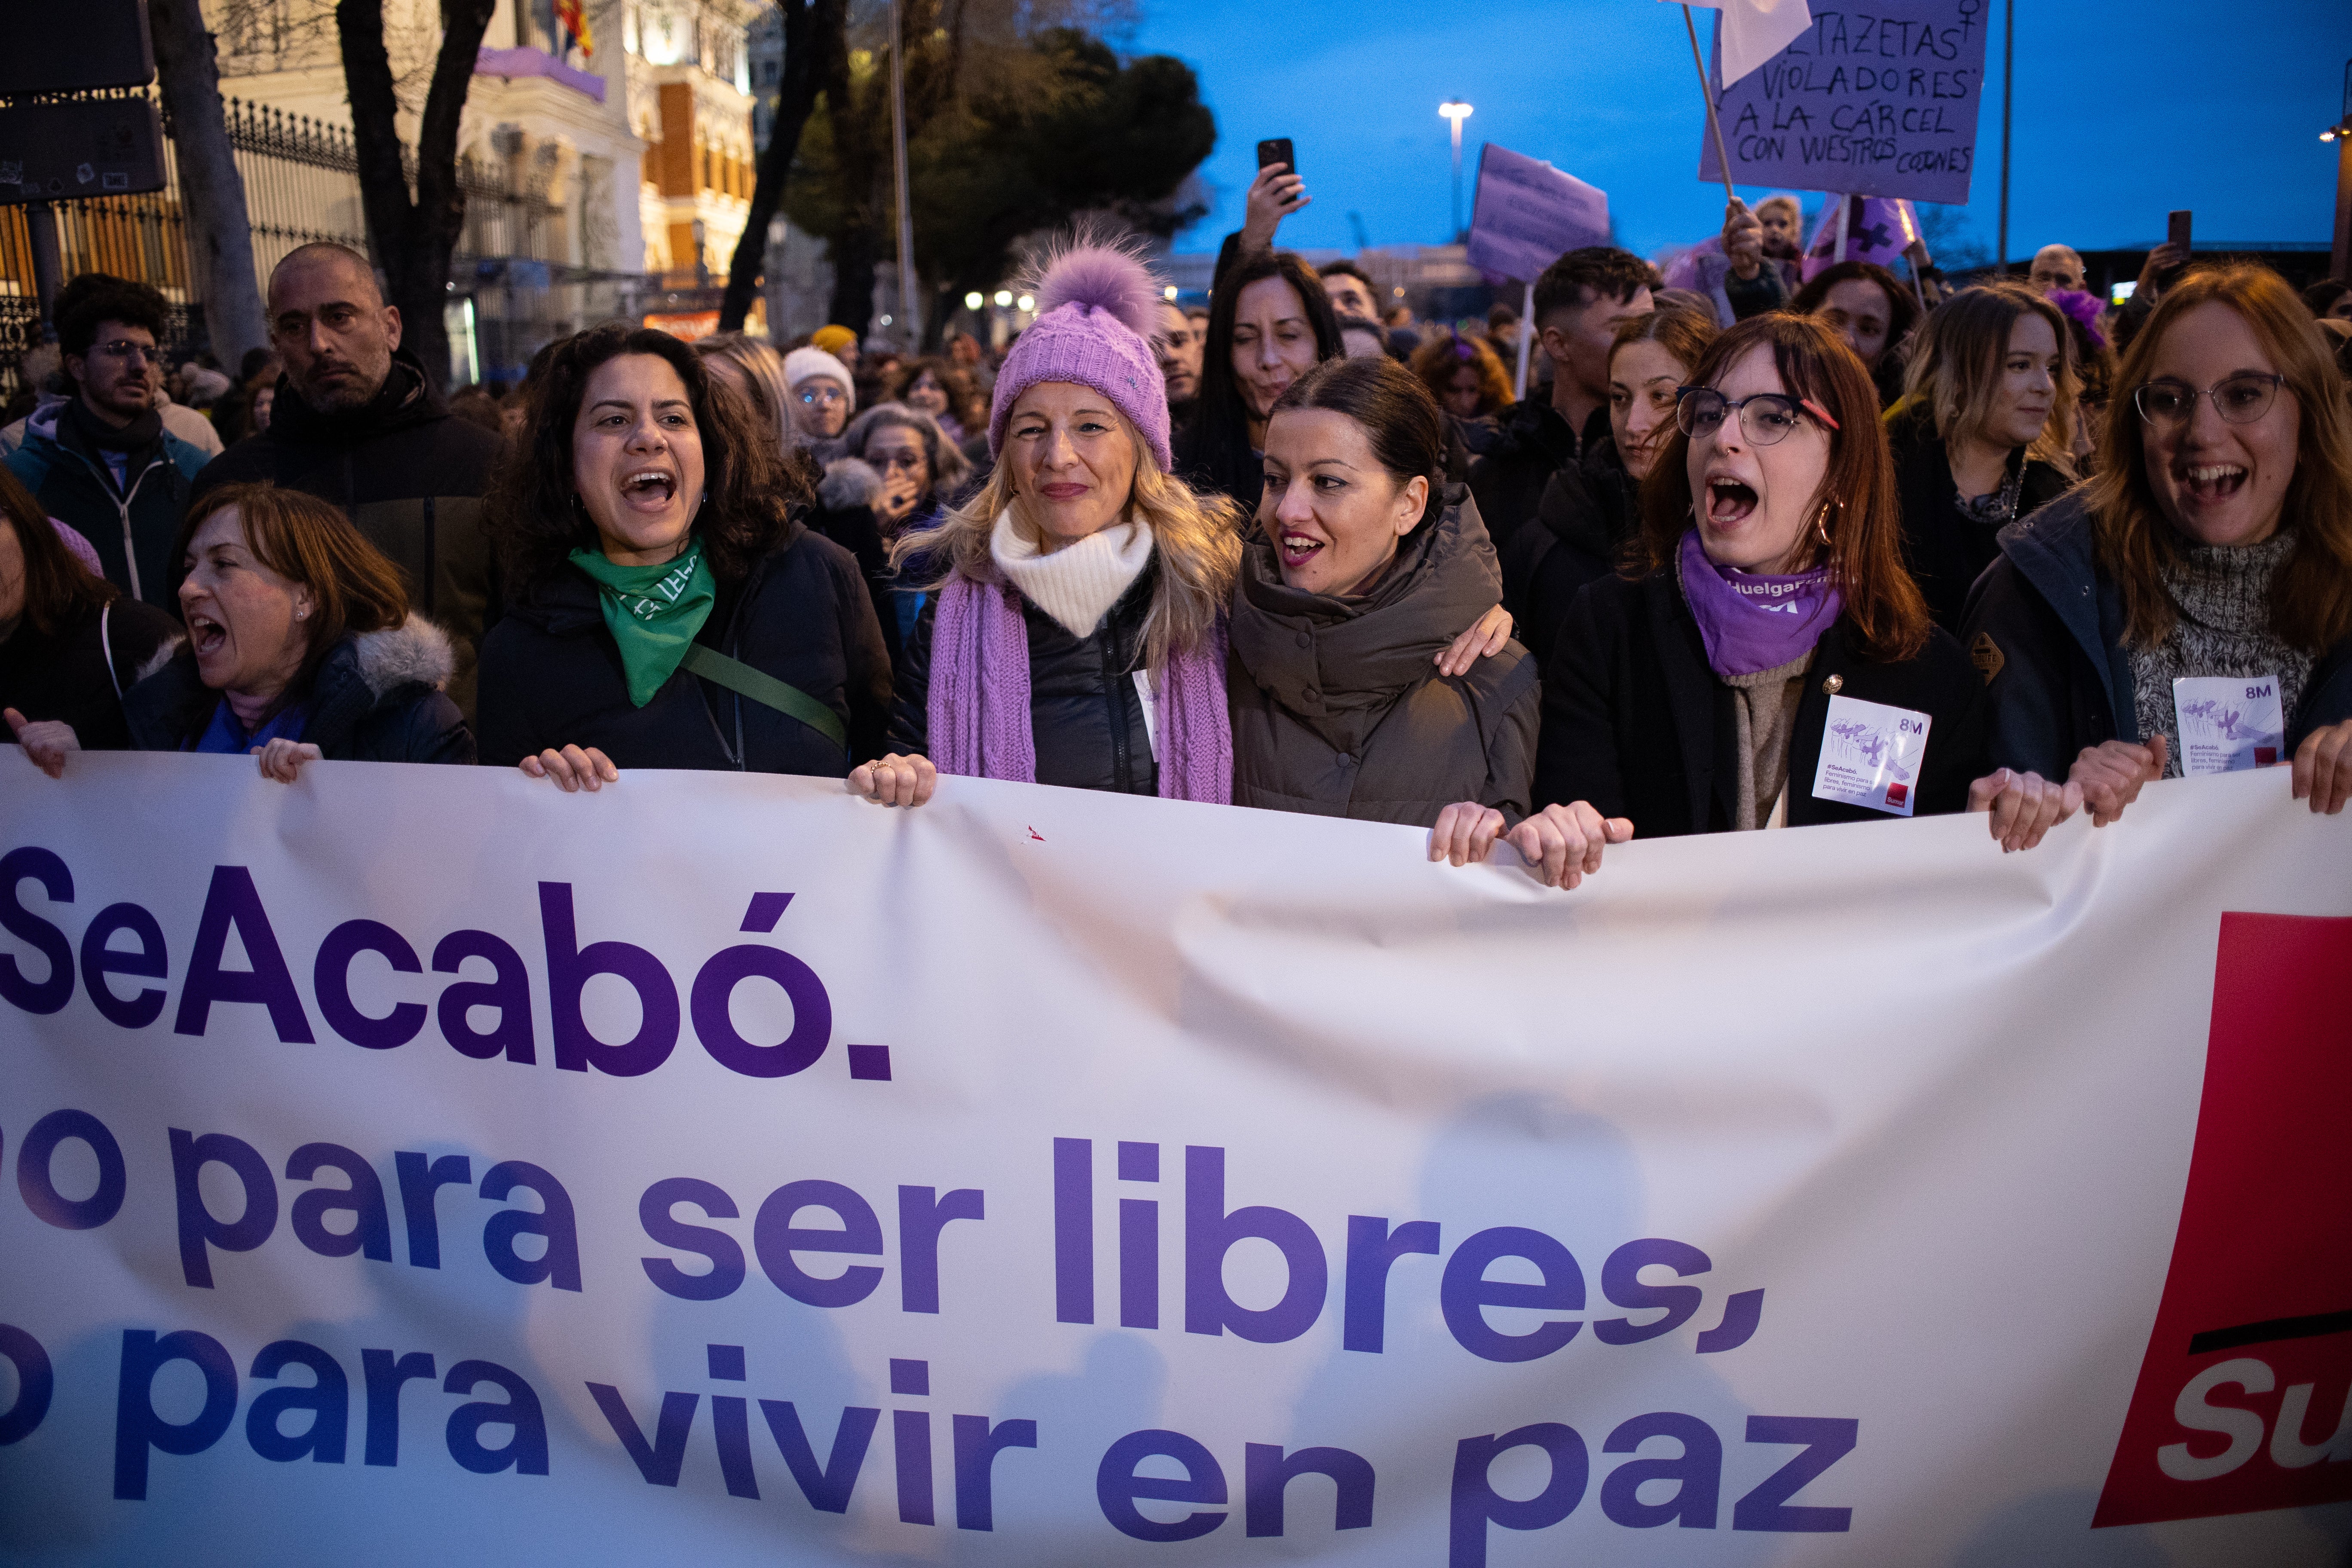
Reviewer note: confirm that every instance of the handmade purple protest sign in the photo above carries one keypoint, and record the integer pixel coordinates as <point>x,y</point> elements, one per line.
<point>1878,99</point>
<point>1528,213</point>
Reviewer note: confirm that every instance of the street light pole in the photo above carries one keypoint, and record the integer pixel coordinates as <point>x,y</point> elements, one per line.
<point>898,169</point>
<point>1455,110</point>
<point>2339,264</point>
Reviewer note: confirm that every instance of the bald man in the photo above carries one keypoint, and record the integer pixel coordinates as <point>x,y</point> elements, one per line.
<point>359,423</point>
<point>2055,266</point>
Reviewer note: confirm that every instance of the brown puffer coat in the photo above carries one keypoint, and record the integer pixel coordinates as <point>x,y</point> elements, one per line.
<point>1338,706</point>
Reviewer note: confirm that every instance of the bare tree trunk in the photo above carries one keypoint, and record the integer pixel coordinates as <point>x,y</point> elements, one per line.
<point>220,234</point>
<point>814,34</point>
<point>414,239</point>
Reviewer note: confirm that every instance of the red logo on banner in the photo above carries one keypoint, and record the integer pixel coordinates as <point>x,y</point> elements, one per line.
<point>2244,1400</point>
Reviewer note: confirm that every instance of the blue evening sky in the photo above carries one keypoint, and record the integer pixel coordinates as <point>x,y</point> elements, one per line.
<point>2123,112</point>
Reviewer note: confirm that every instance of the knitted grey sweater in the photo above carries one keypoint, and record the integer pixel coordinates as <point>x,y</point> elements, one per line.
<point>2223,596</point>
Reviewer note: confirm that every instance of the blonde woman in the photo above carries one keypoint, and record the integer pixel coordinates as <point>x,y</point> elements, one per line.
<point>1982,435</point>
<point>1075,637</point>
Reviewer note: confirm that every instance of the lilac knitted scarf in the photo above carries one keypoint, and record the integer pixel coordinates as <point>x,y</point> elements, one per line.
<point>980,699</point>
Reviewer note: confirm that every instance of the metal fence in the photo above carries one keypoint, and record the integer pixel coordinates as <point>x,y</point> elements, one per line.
<point>302,185</point>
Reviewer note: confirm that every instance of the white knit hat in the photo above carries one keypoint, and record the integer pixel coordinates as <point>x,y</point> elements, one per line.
<point>805,364</point>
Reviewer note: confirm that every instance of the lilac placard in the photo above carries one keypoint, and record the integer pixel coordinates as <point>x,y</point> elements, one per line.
<point>1876,100</point>
<point>1528,213</point>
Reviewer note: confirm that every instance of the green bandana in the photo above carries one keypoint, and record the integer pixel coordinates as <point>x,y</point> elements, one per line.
<point>652,612</point>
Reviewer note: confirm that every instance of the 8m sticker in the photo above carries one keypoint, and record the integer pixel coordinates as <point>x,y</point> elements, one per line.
<point>1871,755</point>
<point>2228,722</point>
<point>2244,1399</point>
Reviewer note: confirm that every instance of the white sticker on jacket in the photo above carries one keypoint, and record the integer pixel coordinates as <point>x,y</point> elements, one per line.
<point>2229,722</point>
<point>1145,688</point>
<point>1871,755</point>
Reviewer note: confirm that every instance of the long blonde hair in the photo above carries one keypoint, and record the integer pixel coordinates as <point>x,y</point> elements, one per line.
<point>1197,539</point>
<point>1956,366</point>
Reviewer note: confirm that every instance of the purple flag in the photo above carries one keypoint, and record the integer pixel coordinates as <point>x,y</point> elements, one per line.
<point>1877,228</point>
<point>1528,213</point>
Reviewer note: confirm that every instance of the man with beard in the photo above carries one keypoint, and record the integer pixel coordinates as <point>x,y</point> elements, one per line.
<point>101,461</point>
<point>357,422</point>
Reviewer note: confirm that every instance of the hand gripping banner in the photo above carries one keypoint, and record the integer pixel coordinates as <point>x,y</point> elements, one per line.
<point>416,1164</point>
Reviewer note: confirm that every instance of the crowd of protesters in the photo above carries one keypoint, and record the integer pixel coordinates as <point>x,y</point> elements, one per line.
<point>1280,552</point>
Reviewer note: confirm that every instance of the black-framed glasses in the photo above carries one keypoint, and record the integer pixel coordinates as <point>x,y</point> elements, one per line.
<point>2240,399</point>
<point>1765,417</point>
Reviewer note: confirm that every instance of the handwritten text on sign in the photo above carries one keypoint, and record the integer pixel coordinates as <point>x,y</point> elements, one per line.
<point>1878,101</point>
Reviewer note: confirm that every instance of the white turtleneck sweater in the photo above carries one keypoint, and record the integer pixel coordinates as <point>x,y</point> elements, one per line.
<point>1077,584</point>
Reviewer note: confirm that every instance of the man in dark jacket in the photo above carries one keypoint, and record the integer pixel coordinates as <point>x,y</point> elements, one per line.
<point>358,422</point>
<point>1580,299</point>
<point>101,461</point>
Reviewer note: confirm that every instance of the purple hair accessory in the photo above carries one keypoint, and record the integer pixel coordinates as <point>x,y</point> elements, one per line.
<point>2084,307</point>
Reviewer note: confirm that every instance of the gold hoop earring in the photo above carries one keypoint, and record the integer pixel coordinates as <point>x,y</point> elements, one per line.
<point>1821,522</point>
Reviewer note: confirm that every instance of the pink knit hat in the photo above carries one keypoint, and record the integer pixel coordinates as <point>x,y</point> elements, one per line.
<point>1095,306</point>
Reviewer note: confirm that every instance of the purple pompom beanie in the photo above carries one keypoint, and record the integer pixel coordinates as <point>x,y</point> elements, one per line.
<point>1096,308</point>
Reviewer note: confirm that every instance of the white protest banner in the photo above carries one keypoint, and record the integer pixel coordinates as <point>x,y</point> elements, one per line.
<point>1528,213</point>
<point>1876,100</point>
<point>414,1164</point>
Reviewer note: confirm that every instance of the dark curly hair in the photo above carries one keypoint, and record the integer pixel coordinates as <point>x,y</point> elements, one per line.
<point>749,486</point>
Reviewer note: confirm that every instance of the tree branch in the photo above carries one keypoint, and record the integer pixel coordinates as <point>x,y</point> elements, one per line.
<point>375,130</point>
<point>812,33</point>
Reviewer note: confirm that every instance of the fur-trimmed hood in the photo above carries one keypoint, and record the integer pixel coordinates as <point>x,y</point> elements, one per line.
<point>848,482</point>
<point>416,652</point>
<point>376,696</point>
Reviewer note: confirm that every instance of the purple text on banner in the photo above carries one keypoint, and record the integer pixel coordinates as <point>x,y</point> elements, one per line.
<point>1876,100</point>
<point>1528,213</point>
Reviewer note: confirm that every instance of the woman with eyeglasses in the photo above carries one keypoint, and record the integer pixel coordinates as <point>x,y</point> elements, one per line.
<point>2190,609</point>
<point>1983,436</point>
<point>897,474</point>
<point>1768,662</point>
<point>1587,512</point>
<point>823,396</point>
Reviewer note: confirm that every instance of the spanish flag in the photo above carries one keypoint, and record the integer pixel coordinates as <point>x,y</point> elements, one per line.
<point>572,17</point>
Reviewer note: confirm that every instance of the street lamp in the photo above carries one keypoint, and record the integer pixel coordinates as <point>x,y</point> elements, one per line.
<point>2340,263</point>
<point>1458,111</point>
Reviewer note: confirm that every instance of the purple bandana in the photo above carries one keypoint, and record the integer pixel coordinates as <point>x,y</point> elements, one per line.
<point>1749,622</point>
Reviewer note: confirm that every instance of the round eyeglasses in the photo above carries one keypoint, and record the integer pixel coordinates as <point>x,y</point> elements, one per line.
<point>2239,399</point>
<point>1765,417</point>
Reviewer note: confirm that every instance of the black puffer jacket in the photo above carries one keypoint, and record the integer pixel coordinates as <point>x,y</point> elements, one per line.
<point>1529,443</point>
<point>377,698</point>
<point>2045,630</point>
<point>410,476</point>
<point>1338,706</point>
<point>78,677</point>
<point>1635,723</point>
<point>552,674</point>
<point>1946,549</point>
<point>1585,517</point>
<point>1085,715</point>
